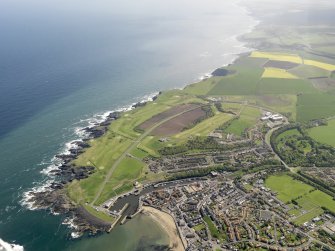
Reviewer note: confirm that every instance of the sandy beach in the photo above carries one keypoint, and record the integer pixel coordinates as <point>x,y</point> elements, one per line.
<point>166,221</point>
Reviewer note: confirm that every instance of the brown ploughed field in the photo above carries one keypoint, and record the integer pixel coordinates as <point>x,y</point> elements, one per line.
<point>177,124</point>
<point>161,116</point>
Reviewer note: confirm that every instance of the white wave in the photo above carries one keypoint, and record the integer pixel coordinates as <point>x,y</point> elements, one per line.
<point>69,222</point>
<point>4,246</point>
<point>28,196</point>
<point>79,135</point>
<point>205,76</point>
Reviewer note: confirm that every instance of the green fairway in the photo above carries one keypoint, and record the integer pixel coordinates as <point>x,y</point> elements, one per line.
<point>324,134</point>
<point>286,187</point>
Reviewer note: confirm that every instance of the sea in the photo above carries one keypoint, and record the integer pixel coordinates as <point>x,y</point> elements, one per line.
<point>64,64</point>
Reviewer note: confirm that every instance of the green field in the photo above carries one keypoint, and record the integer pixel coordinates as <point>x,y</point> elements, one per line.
<point>106,150</point>
<point>315,106</point>
<point>324,134</point>
<point>248,118</point>
<point>285,86</point>
<point>203,87</point>
<point>243,82</point>
<point>204,127</point>
<point>212,228</point>
<point>307,71</point>
<point>308,199</point>
<point>286,187</point>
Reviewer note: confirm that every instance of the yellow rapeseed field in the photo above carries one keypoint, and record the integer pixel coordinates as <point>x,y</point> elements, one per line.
<point>270,72</point>
<point>325,66</point>
<point>277,56</point>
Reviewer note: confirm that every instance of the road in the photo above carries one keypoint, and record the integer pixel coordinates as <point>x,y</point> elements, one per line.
<point>130,148</point>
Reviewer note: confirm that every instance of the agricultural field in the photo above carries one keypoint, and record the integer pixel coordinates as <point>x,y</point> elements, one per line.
<point>324,134</point>
<point>315,106</point>
<point>284,86</point>
<point>280,65</point>
<point>321,65</point>
<point>177,124</point>
<point>293,58</point>
<point>166,114</point>
<point>307,72</point>
<point>270,72</point>
<point>243,82</point>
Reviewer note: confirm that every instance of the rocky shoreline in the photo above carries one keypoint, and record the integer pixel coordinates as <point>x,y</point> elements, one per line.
<point>54,198</point>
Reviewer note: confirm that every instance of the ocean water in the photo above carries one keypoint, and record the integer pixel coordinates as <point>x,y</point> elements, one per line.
<point>63,62</point>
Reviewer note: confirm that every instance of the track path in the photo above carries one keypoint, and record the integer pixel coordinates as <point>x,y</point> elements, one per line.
<point>131,147</point>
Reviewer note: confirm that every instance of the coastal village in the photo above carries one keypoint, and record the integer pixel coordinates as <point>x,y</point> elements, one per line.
<point>223,211</point>
<point>217,172</point>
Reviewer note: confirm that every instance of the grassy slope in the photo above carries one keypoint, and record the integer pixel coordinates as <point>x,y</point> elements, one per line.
<point>247,119</point>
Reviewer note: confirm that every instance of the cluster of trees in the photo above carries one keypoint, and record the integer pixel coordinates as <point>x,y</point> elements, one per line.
<point>310,181</point>
<point>201,172</point>
<point>319,183</point>
<point>292,149</point>
<point>202,143</point>
<point>209,143</point>
<point>228,123</point>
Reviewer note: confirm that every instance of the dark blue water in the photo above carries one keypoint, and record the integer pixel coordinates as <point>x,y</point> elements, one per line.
<point>64,61</point>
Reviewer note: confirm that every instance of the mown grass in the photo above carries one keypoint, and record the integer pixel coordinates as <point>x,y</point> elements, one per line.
<point>139,153</point>
<point>99,214</point>
<point>324,134</point>
<point>286,187</point>
<point>309,200</point>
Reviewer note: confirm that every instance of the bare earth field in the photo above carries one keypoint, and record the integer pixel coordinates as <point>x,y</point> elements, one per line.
<point>280,64</point>
<point>161,116</point>
<point>177,124</point>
